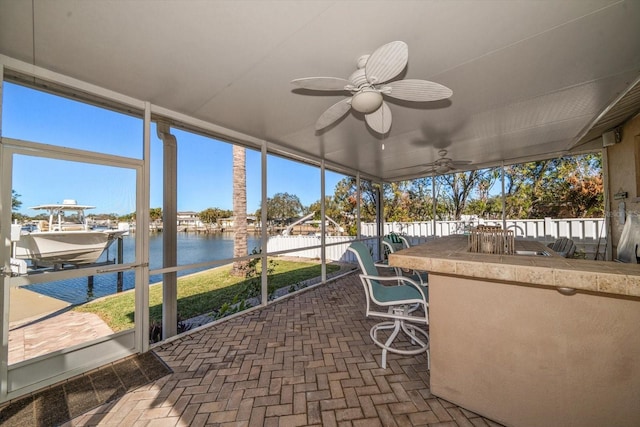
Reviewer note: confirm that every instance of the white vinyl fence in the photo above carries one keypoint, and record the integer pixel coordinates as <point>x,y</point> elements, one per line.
<point>333,253</point>
<point>547,229</point>
<point>589,234</point>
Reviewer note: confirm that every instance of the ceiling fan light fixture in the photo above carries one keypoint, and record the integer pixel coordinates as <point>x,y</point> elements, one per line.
<point>366,101</point>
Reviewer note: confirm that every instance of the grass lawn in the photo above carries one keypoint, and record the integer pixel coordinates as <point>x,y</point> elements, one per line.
<point>201,293</point>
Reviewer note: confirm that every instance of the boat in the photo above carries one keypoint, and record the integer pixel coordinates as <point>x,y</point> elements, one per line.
<point>65,238</point>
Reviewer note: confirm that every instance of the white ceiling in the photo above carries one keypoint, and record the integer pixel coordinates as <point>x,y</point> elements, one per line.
<point>529,78</point>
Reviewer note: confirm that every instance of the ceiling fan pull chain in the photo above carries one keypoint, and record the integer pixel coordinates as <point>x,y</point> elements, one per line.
<point>383,136</point>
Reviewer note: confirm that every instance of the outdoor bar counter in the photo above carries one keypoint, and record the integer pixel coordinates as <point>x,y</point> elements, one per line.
<point>529,340</point>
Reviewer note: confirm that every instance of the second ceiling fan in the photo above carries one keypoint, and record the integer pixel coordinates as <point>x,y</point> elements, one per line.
<point>445,164</point>
<point>370,83</point>
<point>440,166</point>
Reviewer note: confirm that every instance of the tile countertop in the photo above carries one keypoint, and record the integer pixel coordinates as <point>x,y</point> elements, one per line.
<point>450,256</point>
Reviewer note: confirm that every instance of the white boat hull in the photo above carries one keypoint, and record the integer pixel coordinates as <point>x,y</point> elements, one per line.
<point>64,247</point>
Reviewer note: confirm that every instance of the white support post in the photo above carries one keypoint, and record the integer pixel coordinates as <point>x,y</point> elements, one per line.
<point>504,204</point>
<point>379,216</point>
<point>358,196</point>
<point>264,282</point>
<point>608,252</point>
<point>169,231</point>
<point>5,217</point>
<point>434,202</point>
<point>323,226</point>
<point>142,239</point>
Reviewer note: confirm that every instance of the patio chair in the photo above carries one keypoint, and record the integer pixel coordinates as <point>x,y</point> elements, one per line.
<point>404,240</point>
<point>395,302</point>
<point>390,244</point>
<point>394,242</point>
<point>564,247</point>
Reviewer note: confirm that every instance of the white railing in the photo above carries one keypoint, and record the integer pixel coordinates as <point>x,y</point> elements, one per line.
<point>336,252</point>
<point>577,229</point>
<point>588,233</point>
<point>297,245</point>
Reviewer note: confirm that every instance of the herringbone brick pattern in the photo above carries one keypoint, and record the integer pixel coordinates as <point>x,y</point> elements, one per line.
<point>307,360</point>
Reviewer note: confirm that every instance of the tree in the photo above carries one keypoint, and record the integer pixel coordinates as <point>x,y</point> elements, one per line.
<point>397,201</point>
<point>483,204</point>
<point>210,216</point>
<point>15,201</point>
<point>421,199</point>
<point>489,208</point>
<point>127,217</point>
<point>283,206</point>
<point>15,205</point>
<point>331,209</point>
<point>345,196</point>
<point>155,214</point>
<point>239,210</point>
<point>566,186</point>
<point>457,188</point>
<point>584,196</point>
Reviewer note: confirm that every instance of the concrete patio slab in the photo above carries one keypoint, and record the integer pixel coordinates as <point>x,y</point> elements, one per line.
<point>25,305</point>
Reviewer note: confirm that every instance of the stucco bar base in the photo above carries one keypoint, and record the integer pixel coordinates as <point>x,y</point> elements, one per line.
<point>529,356</point>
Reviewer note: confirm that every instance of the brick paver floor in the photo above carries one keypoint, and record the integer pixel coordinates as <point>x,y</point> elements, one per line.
<point>306,360</point>
<point>45,336</point>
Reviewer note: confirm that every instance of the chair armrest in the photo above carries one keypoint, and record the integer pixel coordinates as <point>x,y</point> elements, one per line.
<point>384,264</point>
<point>391,278</point>
<point>403,279</point>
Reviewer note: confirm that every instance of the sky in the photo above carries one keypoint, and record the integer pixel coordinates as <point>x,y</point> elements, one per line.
<point>204,164</point>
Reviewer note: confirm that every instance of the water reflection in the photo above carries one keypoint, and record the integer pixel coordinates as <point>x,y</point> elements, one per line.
<point>192,248</point>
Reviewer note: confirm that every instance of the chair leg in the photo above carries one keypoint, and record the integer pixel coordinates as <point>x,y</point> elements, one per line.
<point>414,307</point>
<point>396,329</point>
<point>410,330</point>
<point>395,325</point>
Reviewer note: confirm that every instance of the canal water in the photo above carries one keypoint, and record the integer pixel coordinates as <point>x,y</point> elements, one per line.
<point>192,248</point>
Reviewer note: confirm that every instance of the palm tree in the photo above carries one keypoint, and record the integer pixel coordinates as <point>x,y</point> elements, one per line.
<point>239,210</point>
<point>15,205</point>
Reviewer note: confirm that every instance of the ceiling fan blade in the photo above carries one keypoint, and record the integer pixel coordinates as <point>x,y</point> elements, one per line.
<point>409,167</point>
<point>333,113</point>
<point>427,168</point>
<point>428,171</point>
<point>380,120</point>
<point>418,90</point>
<point>460,162</point>
<point>387,62</point>
<point>418,174</point>
<point>321,83</point>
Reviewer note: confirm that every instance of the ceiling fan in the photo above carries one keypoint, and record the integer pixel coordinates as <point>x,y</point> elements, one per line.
<point>367,85</point>
<point>443,164</point>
